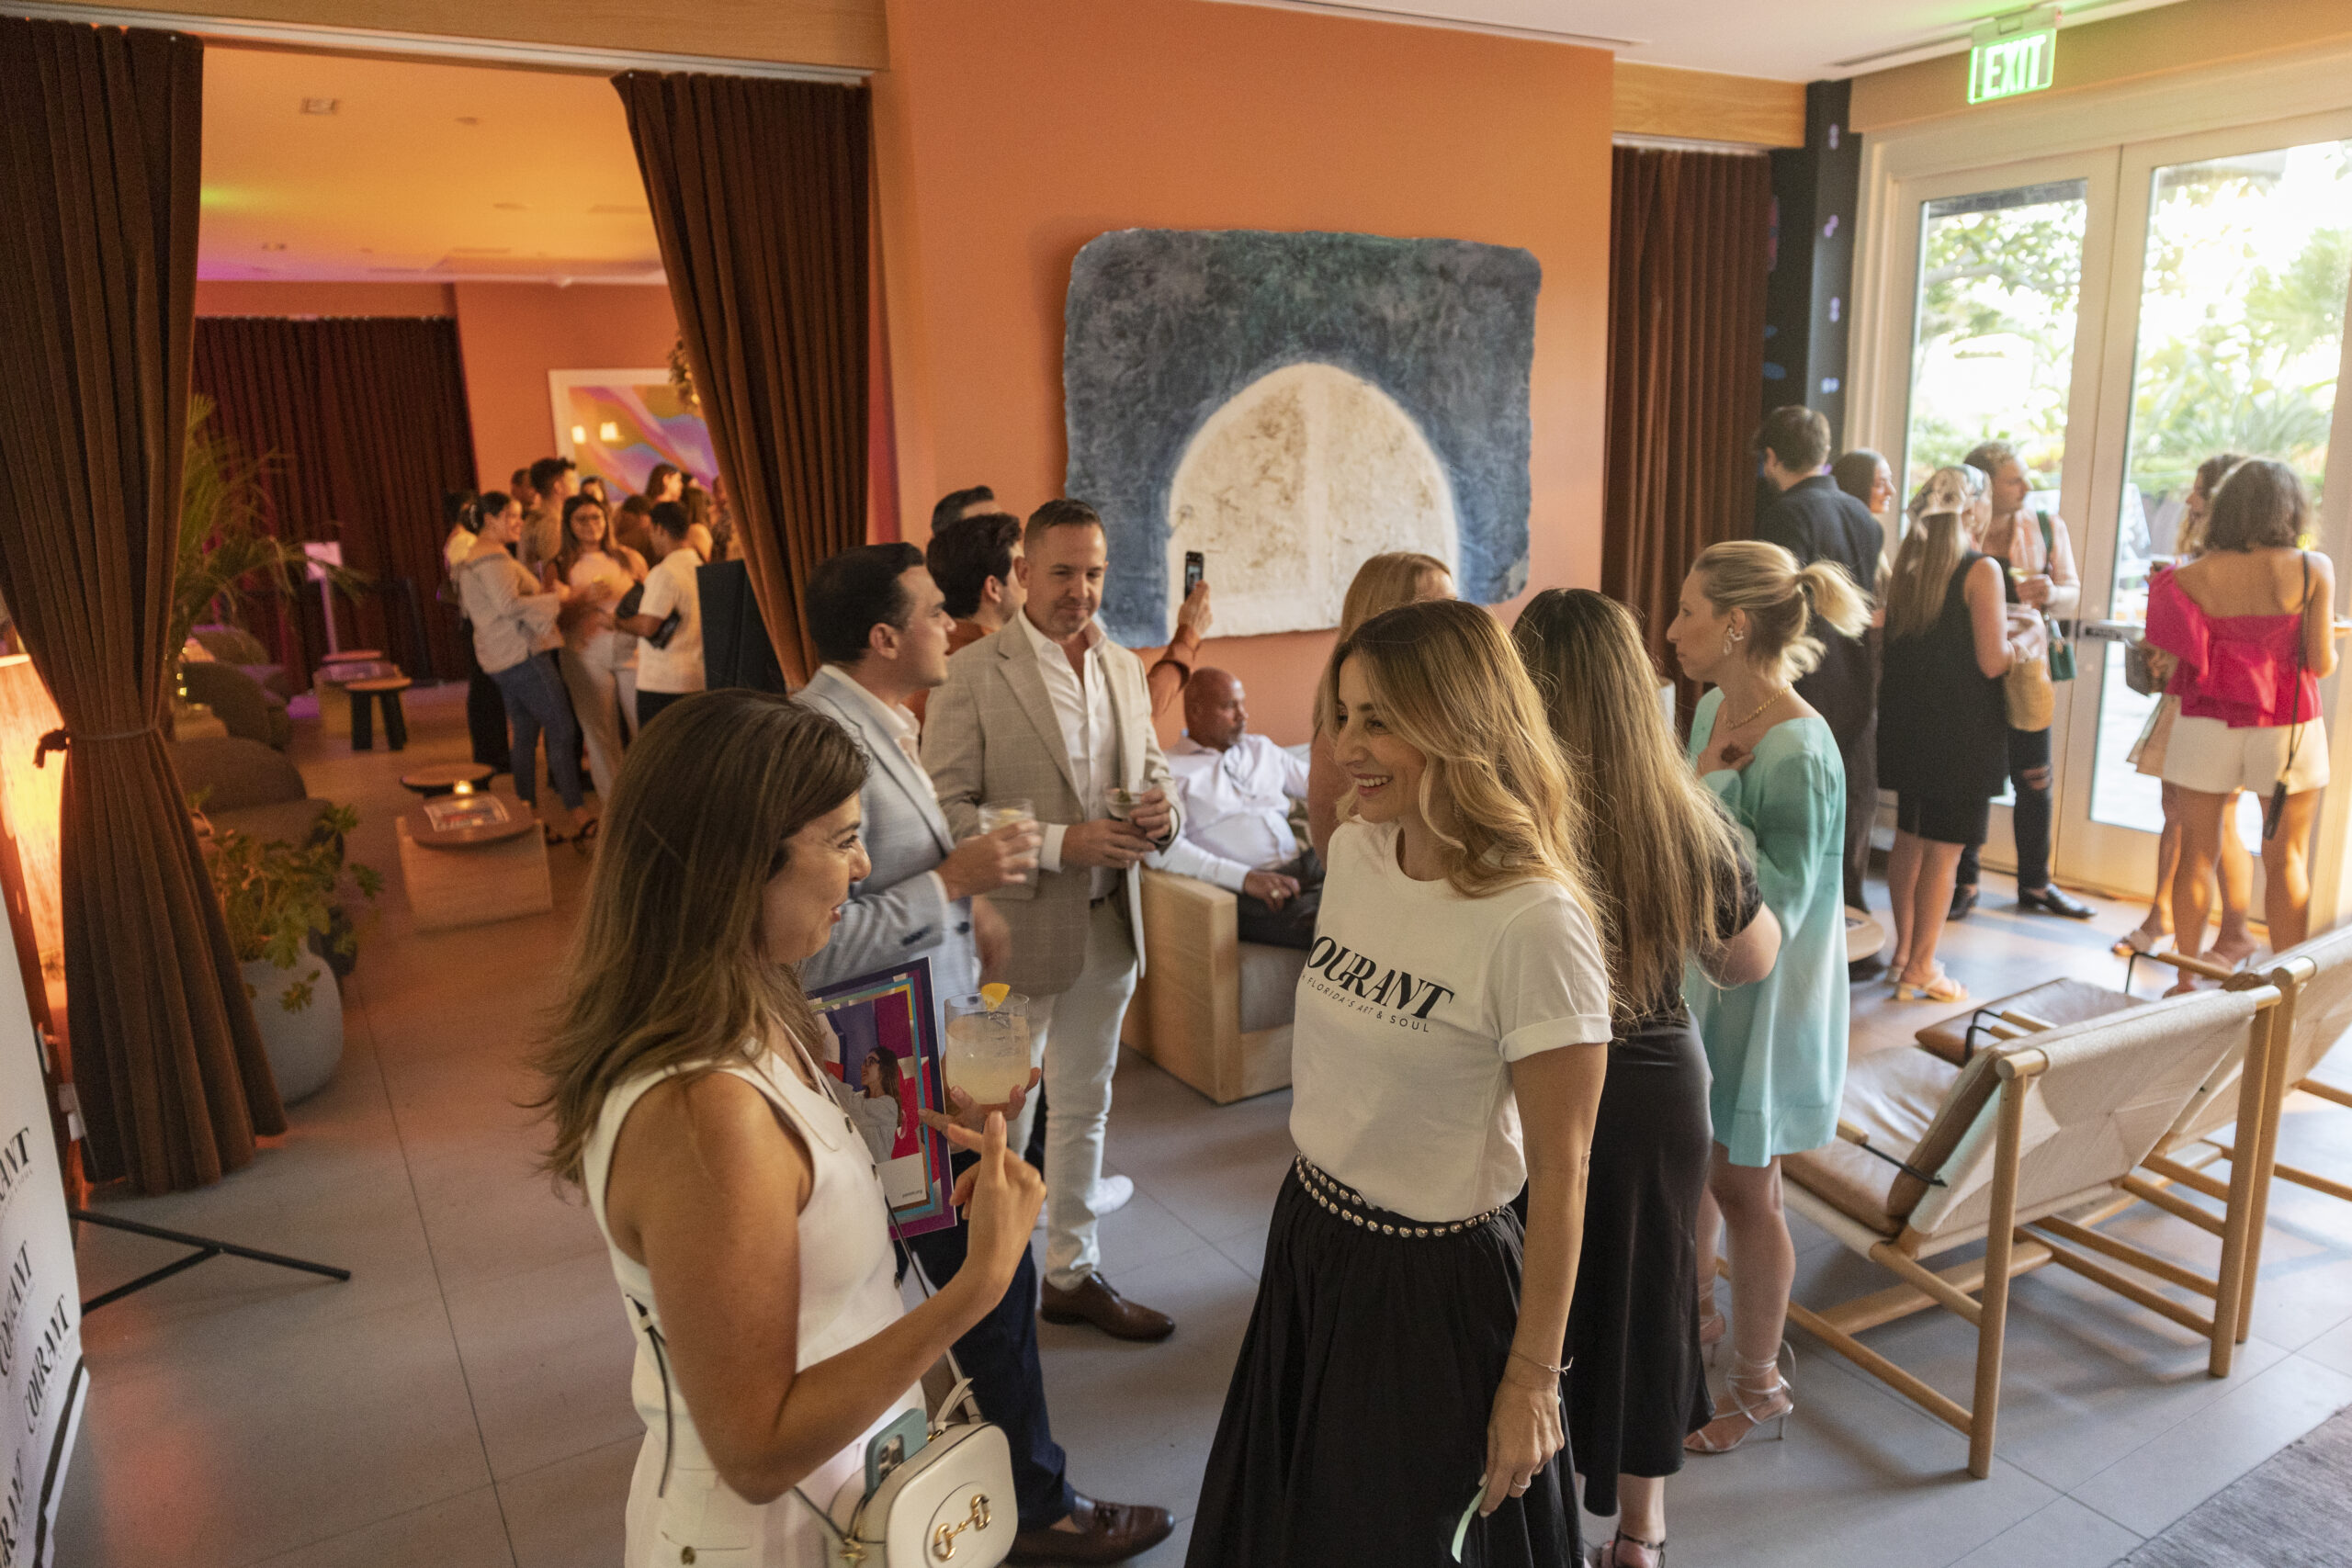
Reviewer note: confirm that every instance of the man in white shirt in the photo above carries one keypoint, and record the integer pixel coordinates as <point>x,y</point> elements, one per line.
<point>672,669</point>
<point>1051,712</point>
<point>1235,790</point>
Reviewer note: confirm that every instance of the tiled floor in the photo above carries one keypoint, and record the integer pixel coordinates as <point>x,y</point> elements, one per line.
<point>462,1401</point>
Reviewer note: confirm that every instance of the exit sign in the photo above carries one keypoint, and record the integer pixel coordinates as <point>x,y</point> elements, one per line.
<point>2013,54</point>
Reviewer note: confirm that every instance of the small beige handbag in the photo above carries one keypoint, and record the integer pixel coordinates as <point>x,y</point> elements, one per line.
<point>2032,698</point>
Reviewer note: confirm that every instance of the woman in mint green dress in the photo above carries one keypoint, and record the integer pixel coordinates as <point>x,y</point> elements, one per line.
<point>1778,1048</point>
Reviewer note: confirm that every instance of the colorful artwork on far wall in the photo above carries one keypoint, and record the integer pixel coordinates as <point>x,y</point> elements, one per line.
<point>620,423</point>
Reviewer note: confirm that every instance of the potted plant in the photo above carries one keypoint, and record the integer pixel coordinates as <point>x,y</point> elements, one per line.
<point>282,904</point>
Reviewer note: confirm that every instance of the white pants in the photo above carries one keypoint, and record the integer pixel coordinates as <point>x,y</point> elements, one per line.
<point>602,679</point>
<point>1075,1037</point>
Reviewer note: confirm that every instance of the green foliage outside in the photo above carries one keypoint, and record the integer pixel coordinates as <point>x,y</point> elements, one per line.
<point>2238,343</point>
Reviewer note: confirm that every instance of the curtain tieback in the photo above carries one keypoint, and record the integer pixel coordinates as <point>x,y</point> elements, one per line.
<point>60,740</point>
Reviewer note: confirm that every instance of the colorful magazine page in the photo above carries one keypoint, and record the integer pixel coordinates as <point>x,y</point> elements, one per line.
<point>888,1062</point>
<point>453,811</point>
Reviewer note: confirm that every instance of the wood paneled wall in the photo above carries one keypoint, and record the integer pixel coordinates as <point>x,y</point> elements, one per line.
<point>1705,105</point>
<point>846,33</point>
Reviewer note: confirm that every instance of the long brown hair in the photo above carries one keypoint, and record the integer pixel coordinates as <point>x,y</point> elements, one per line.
<point>1932,548</point>
<point>1669,854</point>
<point>1384,582</point>
<point>2262,505</point>
<point>666,971</point>
<point>1494,787</point>
<point>568,554</point>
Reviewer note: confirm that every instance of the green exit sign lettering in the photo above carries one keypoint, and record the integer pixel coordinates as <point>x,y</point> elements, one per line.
<point>2012,55</point>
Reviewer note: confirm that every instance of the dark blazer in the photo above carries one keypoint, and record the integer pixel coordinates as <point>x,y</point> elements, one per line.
<point>1814,520</point>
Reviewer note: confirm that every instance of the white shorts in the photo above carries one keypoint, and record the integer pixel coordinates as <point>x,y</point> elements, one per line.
<point>2206,754</point>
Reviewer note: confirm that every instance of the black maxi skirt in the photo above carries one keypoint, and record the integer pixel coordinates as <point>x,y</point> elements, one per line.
<point>1355,1428</point>
<point>1637,1387</point>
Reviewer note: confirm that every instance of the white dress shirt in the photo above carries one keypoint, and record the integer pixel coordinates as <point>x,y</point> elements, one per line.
<point>1081,700</point>
<point>902,726</point>
<point>1236,810</point>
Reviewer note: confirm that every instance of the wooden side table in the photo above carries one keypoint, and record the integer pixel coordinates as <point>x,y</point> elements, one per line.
<point>474,875</point>
<point>364,696</point>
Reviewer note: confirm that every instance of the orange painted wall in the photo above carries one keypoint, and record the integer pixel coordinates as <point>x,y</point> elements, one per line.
<point>514,333</point>
<point>1010,134</point>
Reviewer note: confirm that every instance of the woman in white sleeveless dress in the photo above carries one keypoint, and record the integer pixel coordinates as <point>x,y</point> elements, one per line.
<point>746,1224</point>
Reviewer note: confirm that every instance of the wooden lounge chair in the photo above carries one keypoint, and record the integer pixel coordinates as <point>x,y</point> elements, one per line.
<point>2314,983</point>
<point>1931,1157</point>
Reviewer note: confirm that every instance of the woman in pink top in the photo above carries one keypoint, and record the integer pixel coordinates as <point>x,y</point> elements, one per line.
<point>2250,621</point>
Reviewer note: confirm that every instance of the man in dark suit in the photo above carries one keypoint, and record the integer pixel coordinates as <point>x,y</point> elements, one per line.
<point>1814,520</point>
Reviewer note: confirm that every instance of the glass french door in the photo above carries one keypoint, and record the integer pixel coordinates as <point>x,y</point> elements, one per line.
<point>2118,315</point>
<point>2225,315</point>
<point>2002,333</point>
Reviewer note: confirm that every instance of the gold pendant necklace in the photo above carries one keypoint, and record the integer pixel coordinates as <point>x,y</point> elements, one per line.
<point>1777,693</point>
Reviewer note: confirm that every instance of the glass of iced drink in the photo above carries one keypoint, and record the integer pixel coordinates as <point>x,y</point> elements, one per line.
<point>988,1048</point>
<point>997,814</point>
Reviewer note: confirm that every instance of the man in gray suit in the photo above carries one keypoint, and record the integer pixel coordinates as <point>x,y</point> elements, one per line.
<point>1051,711</point>
<point>882,628</point>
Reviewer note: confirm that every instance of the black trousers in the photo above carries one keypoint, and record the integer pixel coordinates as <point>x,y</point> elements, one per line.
<point>485,713</point>
<point>1293,925</point>
<point>1859,753</point>
<point>1000,1355</point>
<point>2030,818</point>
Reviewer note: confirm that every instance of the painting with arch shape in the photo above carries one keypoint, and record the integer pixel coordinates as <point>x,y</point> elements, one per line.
<point>1290,404</point>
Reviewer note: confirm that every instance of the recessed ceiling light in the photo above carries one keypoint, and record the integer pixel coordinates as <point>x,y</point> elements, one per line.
<point>508,206</point>
<point>273,245</point>
<point>319,106</point>
<point>468,119</point>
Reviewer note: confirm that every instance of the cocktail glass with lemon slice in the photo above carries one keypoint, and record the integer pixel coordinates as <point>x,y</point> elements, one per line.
<point>988,1044</point>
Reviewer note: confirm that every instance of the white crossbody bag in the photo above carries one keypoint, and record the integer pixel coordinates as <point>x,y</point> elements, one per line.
<point>949,1501</point>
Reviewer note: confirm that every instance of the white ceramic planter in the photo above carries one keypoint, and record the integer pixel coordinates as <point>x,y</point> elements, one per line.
<point>304,1047</point>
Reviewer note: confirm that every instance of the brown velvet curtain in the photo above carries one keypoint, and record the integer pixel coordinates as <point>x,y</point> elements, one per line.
<point>759,196</point>
<point>365,422</point>
<point>1688,255</point>
<point>98,166</point>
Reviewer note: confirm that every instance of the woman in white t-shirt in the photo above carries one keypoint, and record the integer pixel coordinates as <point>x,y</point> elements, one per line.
<point>1397,1399</point>
<point>598,660</point>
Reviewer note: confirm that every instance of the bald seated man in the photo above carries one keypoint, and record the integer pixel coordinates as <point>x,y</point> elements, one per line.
<point>1236,789</point>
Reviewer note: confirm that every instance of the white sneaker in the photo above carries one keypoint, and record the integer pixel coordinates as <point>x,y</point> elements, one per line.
<point>1111,1195</point>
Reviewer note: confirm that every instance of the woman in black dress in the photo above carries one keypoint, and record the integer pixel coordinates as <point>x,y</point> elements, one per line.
<point>1671,883</point>
<point>1943,723</point>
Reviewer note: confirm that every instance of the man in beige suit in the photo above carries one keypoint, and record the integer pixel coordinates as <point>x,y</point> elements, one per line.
<point>1050,710</point>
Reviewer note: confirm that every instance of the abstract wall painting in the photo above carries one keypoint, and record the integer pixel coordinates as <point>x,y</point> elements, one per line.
<point>1291,404</point>
<point>620,423</point>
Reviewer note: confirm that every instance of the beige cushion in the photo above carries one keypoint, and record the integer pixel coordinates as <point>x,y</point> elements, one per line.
<point>1910,1105</point>
<point>2056,1003</point>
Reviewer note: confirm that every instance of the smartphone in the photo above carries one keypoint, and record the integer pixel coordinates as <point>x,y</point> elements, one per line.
<point>1195,566</point>
<point>893,1446</point>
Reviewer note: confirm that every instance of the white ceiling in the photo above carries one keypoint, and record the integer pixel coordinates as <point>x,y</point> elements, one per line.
<point>1795,40</point>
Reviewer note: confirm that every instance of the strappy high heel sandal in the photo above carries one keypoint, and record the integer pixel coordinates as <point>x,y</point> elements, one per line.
<point>1610,1557</point>
<point>1753,1403</point>
<point>1711,1329</point>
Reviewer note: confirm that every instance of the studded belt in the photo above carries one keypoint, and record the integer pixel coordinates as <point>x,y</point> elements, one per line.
<point>1350,1205</point>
